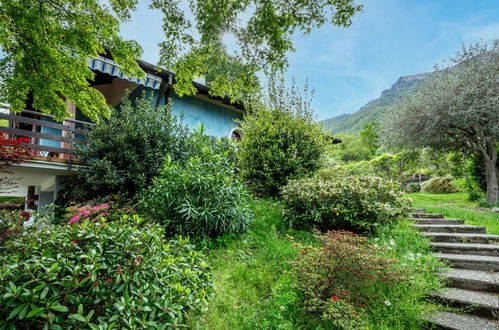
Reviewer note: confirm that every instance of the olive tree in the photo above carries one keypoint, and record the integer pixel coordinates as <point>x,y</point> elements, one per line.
<point>456,108</point>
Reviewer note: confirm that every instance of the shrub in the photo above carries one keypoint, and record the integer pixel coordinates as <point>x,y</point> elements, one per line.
<point>202,197</point>
<point>440,185</point>
<point>335,278</point>
<point>119,275</point>
<point>281,141</point>
<point>123,153</point>
<point>350,202</point>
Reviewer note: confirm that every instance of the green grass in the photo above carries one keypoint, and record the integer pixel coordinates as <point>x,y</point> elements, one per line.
<point>456,206</point>
<point>254,284</point>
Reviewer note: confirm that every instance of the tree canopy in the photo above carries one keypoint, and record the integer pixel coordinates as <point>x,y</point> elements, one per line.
<point>455,109</point>
<point>46,44</point>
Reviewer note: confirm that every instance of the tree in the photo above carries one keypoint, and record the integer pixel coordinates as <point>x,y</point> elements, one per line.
<point>455,109</point>
<point>45,47</point>
<point>46,43</point>
<point>281,139</point>
<point>370,136</point>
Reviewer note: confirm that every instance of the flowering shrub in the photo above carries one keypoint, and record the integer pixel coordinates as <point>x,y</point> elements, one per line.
<point>336,278</point>
<point>352,202</point>
<point>94,213</point>
<point>202,197</point>
<point>119,275</point>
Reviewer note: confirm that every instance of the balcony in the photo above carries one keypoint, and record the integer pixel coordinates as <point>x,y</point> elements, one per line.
<point>50,140</point>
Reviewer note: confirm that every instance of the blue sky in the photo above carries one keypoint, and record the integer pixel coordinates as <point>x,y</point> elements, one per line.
<point>347,67</point>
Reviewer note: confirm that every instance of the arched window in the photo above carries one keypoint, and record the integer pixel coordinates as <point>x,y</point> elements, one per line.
<point>236,134</point>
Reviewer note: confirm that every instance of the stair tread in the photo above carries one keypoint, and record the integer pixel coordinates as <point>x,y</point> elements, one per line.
<point>456,321</point>
<point>461,235</point>
<point>470,257</point>
<point>465,245</point>
<point>485,300</point>
<point>445,226</point>
<point>471,275</point>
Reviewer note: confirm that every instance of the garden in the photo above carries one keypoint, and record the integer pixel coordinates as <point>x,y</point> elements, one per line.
<point>170,228</point>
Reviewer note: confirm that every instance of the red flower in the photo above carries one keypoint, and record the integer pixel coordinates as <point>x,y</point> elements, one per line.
<point>96,283</point>
<point>334,298</point>
<point>75,241</point>
<point>109,281</point>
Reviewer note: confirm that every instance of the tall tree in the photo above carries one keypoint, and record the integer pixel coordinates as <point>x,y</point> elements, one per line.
<point>456,108</point>
<point>45,44</point>
<point>45,47</point>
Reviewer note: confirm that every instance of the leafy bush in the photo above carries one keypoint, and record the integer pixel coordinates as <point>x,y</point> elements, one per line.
<point>343,203</point>
<point>440,185</point>
<point>119,275</point>
<point>281,141</point>
<point>335,278</point>
<point>202,197</point>
<point>123,153</point>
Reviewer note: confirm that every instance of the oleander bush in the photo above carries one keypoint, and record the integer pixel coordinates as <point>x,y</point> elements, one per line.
<point>336,278</point>
<point>119,274</point>
<point>353,202</point>
<point>201,197</point>
<point>440,185</point>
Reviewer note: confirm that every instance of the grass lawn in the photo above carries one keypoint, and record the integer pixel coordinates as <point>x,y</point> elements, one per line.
<point>456,206</point>
<point>254,283</point>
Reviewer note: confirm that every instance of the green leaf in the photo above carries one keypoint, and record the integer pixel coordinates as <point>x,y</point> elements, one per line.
<point>77,317</point>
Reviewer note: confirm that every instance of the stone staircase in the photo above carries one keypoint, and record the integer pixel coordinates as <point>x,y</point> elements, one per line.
<point>473,280</point>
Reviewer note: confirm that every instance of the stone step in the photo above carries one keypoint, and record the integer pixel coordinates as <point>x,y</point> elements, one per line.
<point>466,248</point>
<point>453,321</point>
<point>472,280</point>
<point>482,303</point>
<point>472,262</point>
<point>428,215</point>
<point>462,238</point>
<point>450,229</point>
<point>426,221</point>
<point>419,211</point>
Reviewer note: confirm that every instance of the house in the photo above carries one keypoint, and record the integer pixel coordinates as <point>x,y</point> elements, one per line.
<point>41,178</point>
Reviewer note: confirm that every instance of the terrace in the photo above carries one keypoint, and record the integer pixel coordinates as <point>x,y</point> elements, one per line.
<point>51,141</point>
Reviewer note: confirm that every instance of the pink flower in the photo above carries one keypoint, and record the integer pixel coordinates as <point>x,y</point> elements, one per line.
<point>105,213</point>
<point>95,208</point>
<point>138,260</point>
<point>102,224</point>
<point>85,212</point>
<point>334,298</point>
<point>73,220</point>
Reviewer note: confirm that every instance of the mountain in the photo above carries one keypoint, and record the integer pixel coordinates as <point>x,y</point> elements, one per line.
<point>373,110</point>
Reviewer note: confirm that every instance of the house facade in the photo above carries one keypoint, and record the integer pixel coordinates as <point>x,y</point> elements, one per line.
<point>40,179</point>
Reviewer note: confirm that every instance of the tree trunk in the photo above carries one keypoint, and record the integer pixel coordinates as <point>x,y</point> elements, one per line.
<point>491,177</point>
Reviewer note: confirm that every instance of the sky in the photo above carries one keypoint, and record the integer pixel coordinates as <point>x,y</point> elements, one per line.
<point>347,67</point>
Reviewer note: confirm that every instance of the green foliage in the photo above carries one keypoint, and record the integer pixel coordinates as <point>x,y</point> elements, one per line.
<point>370,136</point>
<point>10,220</point>
<point>354,202</point>
<point>351,149</point>
<point>124,153</point>
<point>201,197</point>
<point>440,185</point>
<point>194,43</point>
<point>455,110</point>
<point>335,277</point>
<point>119,275</point>
<point>281,140</point>
<point>45,48</point>
<point>457,206</point>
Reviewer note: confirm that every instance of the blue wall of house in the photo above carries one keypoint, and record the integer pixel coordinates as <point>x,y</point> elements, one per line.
<point>218,120</point>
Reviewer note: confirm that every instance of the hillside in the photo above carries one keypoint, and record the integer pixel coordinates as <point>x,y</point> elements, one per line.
<point>373,110</point>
